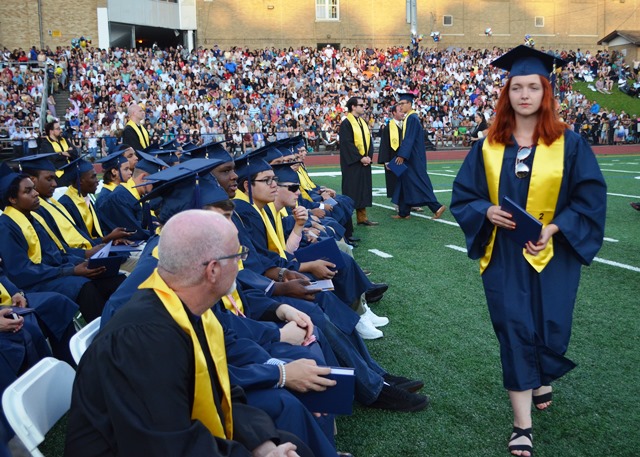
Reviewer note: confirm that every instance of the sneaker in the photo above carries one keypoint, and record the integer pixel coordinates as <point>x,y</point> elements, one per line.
<point>377,321</point>
<point>394,399</point>
<point>366,330</point>
<point>403,383</point>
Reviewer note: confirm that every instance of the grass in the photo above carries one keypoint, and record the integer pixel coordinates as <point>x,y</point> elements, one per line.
<point>617,100</point>
<point>440,332</point>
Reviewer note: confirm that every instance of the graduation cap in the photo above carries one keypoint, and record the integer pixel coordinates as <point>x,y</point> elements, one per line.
<point>173,144</point>
<point>207,151</point>
<point>120,148</point>
<point>181,188</point>
<point>149,163</point>
<point>268,153</point>
<point>247,166</point>
<point>524,60</point>
<point>285,173</point>
<point>36,162</point>
<point>113,160</point>
<point>7,177</point>
<point>167,155</point>
<point>405,96</point>
<point>73,171</point>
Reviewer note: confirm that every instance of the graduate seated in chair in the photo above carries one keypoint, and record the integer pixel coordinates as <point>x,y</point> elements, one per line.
<point>123,207</point>
<point>155,379</point>
<point>258,353</point>
<point>39,261</point>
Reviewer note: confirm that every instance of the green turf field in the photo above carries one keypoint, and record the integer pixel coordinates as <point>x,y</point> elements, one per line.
<point>440,332</point>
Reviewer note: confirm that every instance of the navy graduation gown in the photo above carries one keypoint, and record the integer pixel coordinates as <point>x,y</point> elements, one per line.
<point>53,274</point>
<point>121,209</point>
<point>532,312</point>
<point>414,187</point>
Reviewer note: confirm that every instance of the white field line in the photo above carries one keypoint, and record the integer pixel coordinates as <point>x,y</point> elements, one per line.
<point>379,253</point>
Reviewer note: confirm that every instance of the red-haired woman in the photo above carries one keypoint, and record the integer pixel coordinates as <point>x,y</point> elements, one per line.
<point>531,157</point>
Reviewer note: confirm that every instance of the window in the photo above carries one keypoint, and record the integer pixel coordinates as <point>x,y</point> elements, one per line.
<point>327,10</point>
<point>447,20</point>
<point>539,21</point>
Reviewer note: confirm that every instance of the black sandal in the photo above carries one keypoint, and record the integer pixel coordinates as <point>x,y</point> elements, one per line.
<point>540,399</point>
<point>517,433</point>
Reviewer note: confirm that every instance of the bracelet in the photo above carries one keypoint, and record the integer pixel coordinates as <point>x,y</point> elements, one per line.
<point>281,274</point>
<point>283,372</point>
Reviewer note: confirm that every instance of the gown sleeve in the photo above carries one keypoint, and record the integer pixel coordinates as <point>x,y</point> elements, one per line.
<point>470,202</point>
<point>581,221</point>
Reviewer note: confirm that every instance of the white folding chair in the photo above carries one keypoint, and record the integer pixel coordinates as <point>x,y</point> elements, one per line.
<point>35,401</point>
<point>81,340</point>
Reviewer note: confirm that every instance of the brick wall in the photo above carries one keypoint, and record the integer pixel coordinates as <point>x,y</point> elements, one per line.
<point>19,24</point>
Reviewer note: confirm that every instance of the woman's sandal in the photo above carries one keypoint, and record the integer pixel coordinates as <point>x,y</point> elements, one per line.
<point>540,399</point>
<point>517,433</point>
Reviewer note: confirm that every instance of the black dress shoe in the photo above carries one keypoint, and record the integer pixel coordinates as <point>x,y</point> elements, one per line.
<point>368,223</point>
<point>353,239</point>
<point>394,399</point>
<point>403,383</point>
<point>376,292</point>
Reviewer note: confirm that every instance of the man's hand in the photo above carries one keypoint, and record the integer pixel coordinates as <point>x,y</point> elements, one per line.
<point>19,300</point>
<point>90,252</point>
<point>288,313</point>
<point>116,234</point>
<point>292,334</point>
<point>82,270</point>
<point>318,212</point>
<point>295,288</point>
<point>304,375</point>
<point>328,207</point>
<point>269,449</point>
<point>365,161</point>
<point>399,160</point>
<point>9,325</point>
<point>300,215</point>
<point>292,274</point>
<point>321,269</point>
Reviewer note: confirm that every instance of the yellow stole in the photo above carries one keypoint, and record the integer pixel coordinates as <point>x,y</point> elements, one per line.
<point>5,297</point>
<point>404,130</point>
<point>204,406</point>
<point>109,186</point>
<point>544,187</point>
<point>394,135</point>
<point>34,251</point>
<point>234,298</point>
<point>274,242</point>
<point>87,212</point>
<point>305,183</point>
<point>361,142</point>
<point>64,221</point>
<point>59,146</point>
<point>143,135</point>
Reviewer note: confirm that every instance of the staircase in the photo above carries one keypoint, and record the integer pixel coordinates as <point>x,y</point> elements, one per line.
<point>62,103</point>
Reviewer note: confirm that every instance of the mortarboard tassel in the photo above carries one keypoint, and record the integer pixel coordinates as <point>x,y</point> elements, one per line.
<point>197,200</point>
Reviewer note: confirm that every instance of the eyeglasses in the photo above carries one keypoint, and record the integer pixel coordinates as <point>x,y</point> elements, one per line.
<point>522,169</point>
<point>268,181</point>
<point>361,104</point>
<point>242,255</point>
<point>291,187</point>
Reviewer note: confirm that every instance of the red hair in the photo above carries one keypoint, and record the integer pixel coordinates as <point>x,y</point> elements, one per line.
<point>548,128</point>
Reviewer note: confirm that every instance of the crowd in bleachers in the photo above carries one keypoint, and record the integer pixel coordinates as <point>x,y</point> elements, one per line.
<point>247,96</point>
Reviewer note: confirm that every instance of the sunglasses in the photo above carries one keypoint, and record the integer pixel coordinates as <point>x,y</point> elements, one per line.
<point>291,187</point>
<point>522,169</point>
<point>361,104</point>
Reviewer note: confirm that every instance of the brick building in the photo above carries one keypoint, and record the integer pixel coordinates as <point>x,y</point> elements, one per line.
<point>280,23</point>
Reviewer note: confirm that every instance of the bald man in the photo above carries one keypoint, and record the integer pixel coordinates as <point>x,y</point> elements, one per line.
<point>136,390</point>
<point>134,134</point>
